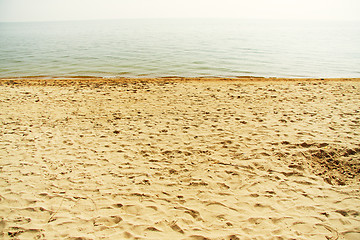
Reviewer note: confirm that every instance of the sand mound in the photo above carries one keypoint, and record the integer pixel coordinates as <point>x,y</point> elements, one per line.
<point>337,165</point>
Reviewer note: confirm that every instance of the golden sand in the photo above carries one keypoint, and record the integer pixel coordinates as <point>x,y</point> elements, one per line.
<point>176,158</point>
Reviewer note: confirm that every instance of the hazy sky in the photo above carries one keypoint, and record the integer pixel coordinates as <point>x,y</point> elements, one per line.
<point>49,10</point>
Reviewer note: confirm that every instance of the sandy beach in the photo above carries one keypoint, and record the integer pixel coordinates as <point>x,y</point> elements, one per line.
<point>177,158</point>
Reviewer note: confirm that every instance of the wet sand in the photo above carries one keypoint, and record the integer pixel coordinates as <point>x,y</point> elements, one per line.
<point>176,158</point>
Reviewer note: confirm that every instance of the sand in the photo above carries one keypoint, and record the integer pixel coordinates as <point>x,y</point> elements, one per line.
<point>177,158</point>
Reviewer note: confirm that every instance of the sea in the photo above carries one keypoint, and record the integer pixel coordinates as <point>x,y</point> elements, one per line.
<point>181,47</point>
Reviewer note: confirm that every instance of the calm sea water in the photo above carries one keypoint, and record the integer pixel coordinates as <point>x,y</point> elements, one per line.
<point>176,47</point>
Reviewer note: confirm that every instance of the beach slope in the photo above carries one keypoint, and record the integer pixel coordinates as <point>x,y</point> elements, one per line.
<point>176,158</point>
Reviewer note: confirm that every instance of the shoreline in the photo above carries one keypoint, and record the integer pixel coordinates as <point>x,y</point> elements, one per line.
<point>46,80</point>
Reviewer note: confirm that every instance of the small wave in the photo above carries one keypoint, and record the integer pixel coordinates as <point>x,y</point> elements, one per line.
<point>233,50</point>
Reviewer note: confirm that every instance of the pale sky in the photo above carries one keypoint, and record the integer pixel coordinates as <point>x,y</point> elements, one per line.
<point>53,10</point>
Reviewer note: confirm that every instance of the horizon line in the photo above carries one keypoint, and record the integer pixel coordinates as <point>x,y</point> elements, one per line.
<point>181,18</point>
